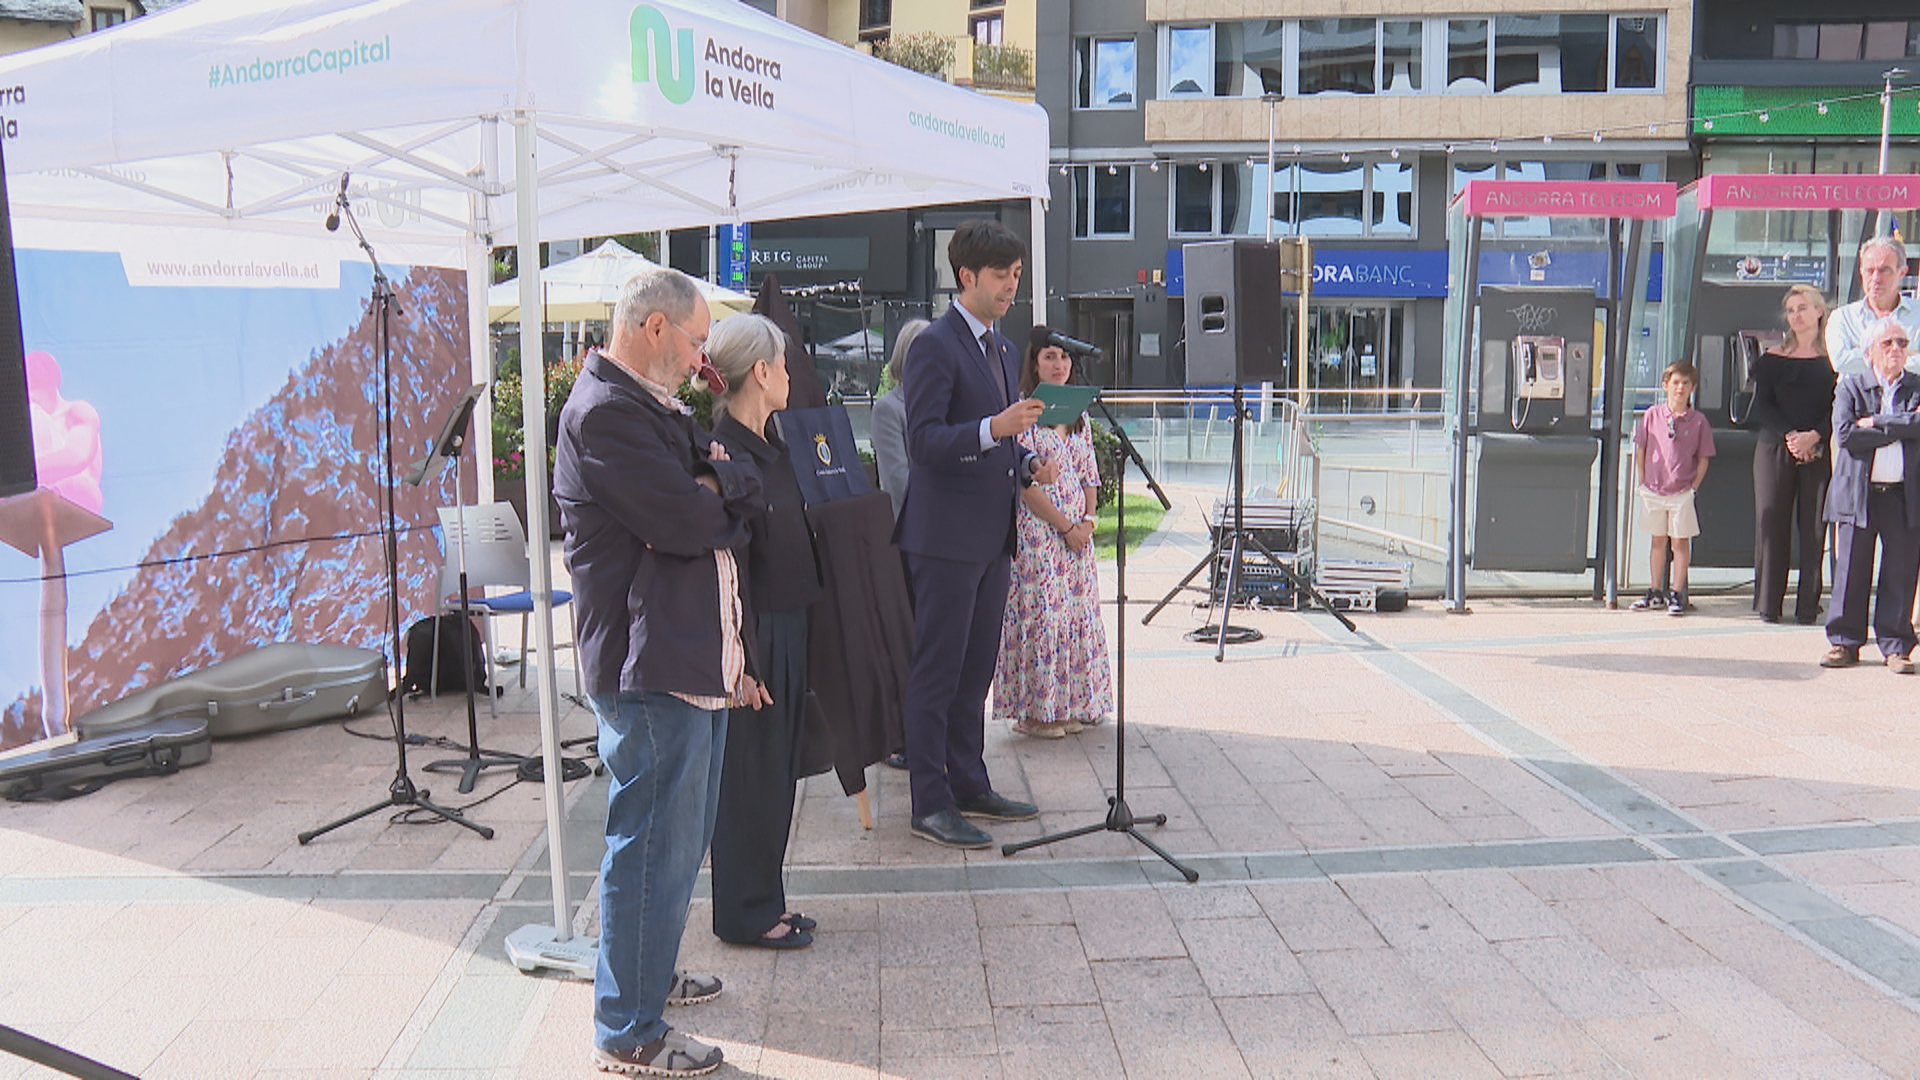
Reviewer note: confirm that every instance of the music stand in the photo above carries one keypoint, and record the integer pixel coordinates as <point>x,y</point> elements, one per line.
<point>447,446</point>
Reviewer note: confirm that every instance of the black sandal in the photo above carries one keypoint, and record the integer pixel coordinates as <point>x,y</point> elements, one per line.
<point>792,939</point>
<point>799,921</point>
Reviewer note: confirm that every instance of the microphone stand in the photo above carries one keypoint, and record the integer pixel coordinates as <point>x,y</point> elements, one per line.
<point>1120,817</point>
<point>401,792</point>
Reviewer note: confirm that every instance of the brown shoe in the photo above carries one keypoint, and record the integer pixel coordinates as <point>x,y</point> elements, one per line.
<point>1841,656</point>
<point>1900,665</point>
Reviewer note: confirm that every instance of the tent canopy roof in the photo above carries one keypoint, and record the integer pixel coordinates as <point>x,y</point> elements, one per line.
<point>662,114</point>
<point>587,287</point>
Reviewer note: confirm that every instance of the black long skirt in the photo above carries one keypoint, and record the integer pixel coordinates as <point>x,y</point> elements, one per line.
<point>757,777</point>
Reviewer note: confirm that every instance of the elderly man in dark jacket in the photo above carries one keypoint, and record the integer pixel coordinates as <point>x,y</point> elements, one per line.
<point>1875,495</point>
<point>651,509</point>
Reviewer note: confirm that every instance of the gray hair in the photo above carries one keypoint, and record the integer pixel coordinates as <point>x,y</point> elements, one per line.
<point>897,364</point>
<point>738,343</point>
<point>1886,243</point>
<point>669,292</point>
<point>1880,331</point>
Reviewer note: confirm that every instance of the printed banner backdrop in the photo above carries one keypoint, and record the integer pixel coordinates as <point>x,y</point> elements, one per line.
<point>235,390</point>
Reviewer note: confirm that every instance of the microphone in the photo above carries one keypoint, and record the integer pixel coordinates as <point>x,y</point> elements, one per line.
<point>340,200</point>
<point>1042,337</point>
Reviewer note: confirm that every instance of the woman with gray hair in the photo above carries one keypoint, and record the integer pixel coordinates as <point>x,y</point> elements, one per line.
<point>762,763</point>
<point>890,418</point>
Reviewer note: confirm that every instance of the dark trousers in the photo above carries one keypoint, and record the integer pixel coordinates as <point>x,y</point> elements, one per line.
<point>1787,497</point>
<point>957,607</point>
<point>756,787</point>
<point>1853,577</point>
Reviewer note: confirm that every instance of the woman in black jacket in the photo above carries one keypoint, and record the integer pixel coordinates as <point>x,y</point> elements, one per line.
<point>1793,408</point>
<point>763,745</point>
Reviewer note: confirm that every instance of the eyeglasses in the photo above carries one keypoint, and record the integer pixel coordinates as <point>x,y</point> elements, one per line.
<point>699,343</point>
<point>1896,342</point>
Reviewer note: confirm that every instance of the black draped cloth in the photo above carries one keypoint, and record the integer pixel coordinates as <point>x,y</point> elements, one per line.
<point>860,638</point>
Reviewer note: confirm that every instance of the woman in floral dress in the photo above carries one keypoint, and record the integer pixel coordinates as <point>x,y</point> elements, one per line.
<point>1053,678</point>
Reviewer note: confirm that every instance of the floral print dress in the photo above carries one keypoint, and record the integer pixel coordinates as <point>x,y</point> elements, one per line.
<point>1053,649</point>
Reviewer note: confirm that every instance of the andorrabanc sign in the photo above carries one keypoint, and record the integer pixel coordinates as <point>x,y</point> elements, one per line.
<point>671,59</point>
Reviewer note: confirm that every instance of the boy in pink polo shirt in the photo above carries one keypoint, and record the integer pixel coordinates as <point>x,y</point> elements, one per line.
<point>1670,451</point>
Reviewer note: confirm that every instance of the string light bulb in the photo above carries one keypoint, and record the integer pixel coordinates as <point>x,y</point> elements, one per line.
<point>1765,116</point>
<point>1063,170</point>
<point>1494,146</point>
<point>1823,108</point>
<point>1296,149</point>
<point>1546,140</point>
<point>1113,170</point>
<point>1394,153</point>
<point>1155,167</point>
<point>1346,158</point>
<point>1597,137</point>
<point>1653,129</point>
<point>1708,125</point>
<point>1203,166</point>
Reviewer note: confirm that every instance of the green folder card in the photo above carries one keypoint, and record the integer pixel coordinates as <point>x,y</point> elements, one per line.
<point>1066,403</point>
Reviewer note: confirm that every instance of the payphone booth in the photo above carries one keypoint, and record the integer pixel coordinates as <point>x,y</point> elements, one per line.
<point>1739,242</point>
<point>1543,278</point>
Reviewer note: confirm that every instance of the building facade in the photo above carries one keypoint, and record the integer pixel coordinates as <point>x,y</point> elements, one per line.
<point>1378,112</point>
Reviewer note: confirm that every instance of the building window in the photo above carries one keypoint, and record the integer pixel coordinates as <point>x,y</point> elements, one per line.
<point>1313,198</point>
<point>1190,61</point>
<point>1524,54</point>
<point>876,14</point>
<point>106,17</point>
<point>1102,201</point>
<point>1193,200</point>
<point>1400,56</point>
<point>987,29</point>
<point>1890,39</point>
<point>1337,56</point>
<point>1104,73</point>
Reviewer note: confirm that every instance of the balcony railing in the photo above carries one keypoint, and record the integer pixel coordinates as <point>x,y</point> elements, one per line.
<point>1002,67</point>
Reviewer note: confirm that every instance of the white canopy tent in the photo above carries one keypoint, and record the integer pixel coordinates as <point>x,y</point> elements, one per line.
<point>233,115</point>
<point>586,287</point>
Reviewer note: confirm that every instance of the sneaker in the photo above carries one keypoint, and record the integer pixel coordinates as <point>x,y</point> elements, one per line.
<point>691,989</point>
<point>1841,656</point>
<point>1677,605</point>
<point>1039,729</point>
<point>672,1054</point>
<point>1654,599</point>
<point>1900,665</point>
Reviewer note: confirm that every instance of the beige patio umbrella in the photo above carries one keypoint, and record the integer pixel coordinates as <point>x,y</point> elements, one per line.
<point>585,288</point>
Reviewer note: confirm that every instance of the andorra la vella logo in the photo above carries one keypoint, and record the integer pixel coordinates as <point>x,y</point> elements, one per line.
<point>823,450</point>
<point>665,57</point>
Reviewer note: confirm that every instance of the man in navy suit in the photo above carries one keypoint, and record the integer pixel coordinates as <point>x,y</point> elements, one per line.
<point>1875,495</point>
<point>957,530</point>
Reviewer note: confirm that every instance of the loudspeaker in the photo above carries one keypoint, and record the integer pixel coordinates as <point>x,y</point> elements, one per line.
<point>1236,317</point>
<point>17,472</point>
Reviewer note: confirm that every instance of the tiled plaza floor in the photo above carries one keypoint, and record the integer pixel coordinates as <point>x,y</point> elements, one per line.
<point>1540,840</point>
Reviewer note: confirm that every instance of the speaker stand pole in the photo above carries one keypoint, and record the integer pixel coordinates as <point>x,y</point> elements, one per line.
<point>1120,817</point>
<point>1229,541</point>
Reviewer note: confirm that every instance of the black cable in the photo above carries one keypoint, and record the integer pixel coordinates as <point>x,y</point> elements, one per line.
<point>183,560</point>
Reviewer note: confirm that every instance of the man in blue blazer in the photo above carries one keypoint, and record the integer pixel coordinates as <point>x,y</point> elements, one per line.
<point>1875,494</point>
<point>957,530</point>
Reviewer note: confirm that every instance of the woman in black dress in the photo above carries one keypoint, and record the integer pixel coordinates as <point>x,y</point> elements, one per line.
<point>762,760</point>
<point>1793,408</point>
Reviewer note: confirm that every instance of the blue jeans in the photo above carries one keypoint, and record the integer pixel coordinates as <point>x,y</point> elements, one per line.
<point>664,756</point>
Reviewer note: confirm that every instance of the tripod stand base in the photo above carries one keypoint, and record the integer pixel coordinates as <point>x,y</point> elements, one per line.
<point>1120,819</point>
<point>402,795</point>
<point>534,947</point>
<point>1236,635</point>
<point>476,762</point>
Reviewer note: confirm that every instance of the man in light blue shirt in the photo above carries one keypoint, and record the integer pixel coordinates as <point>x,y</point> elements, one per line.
<point>1883,262</point>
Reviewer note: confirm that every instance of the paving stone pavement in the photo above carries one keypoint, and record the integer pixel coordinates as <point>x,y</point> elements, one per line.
<point>1541,840</point>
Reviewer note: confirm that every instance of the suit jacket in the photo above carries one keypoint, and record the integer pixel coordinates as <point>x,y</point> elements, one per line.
<point>961,500</point>
<point>1859,396</point>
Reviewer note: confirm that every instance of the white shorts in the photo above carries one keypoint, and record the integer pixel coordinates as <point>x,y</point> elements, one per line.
<point>1669,515</point>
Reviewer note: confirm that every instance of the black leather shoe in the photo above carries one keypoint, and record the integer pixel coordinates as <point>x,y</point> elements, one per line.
<point>998,807</point>
<point>897,760</point>
<point>948,829</point>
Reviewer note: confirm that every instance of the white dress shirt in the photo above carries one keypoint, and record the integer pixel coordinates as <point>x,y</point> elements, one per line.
<point>1890,461</point>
